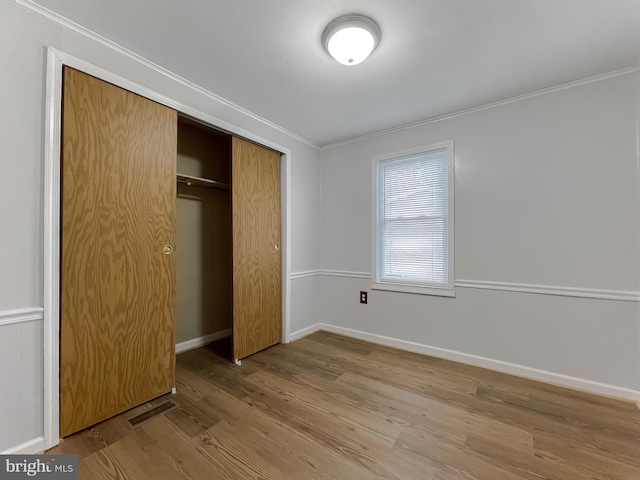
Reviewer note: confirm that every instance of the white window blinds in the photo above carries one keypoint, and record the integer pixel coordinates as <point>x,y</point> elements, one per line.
<point>412,196</point>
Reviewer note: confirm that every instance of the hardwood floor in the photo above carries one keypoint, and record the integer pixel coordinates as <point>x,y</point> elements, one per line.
<point>330,407</point>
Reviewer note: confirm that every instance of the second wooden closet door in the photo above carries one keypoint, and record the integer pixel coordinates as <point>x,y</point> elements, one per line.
<point>257,291</point>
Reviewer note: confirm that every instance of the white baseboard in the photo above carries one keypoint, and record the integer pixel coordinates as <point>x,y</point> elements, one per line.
<point>200,341</point>
<point>483,362</point>
<point>27,448</point>
<point>297,335</point>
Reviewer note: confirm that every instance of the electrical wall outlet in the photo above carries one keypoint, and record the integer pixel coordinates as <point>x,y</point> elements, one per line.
<point>363,297</point>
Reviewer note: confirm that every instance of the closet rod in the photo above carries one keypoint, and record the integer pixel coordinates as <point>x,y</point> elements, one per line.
<point>201,182</point>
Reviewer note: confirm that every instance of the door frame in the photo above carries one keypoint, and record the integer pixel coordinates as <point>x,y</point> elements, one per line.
<point>56,59</point>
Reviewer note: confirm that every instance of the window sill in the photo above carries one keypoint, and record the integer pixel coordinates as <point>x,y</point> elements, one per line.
<point>416,289</point>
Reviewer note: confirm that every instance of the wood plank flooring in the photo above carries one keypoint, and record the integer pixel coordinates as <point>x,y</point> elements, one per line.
<point>330,407</point>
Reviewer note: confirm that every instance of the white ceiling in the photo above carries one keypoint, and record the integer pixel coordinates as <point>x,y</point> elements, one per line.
<point>435,56</point>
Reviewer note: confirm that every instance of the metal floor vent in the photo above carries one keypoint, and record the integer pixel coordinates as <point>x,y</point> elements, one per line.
<point>149,414</point>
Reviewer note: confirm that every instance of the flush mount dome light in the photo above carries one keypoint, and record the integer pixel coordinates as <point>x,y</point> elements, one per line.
<point>350,39</point>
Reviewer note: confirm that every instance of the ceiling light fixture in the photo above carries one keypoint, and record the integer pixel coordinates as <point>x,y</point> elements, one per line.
<point>350,39</point>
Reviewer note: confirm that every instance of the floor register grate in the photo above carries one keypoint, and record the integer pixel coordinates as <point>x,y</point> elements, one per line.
<point>149,414</point>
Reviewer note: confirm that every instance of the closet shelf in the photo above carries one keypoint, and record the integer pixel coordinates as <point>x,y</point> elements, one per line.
<point>201,182</point>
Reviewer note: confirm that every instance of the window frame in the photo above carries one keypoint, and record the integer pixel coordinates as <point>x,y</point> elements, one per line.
<point>446,290</point>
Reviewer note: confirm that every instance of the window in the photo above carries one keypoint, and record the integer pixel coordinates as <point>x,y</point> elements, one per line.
<point>413,220</point>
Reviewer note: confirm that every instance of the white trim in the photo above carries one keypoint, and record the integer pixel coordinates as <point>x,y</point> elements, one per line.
<point>298,334</point>
<point>55,61</point>
<point>345,273</point>
<point>376,260</point>
<point>37,445</point>
<point>415,289</point>
<point>79,64</point>
<point>51,229</point>
<point>488,106</point>
<point>488,363</point>
<point>201,341</point>
<point>21,315</point>
<point>71,25</point>
<point>285,240</point>
<point>620,295</point>
<point>307,274</point>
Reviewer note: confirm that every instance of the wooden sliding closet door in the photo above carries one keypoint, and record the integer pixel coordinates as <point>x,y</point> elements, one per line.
<point>257,297</point>
<point>117,346</point>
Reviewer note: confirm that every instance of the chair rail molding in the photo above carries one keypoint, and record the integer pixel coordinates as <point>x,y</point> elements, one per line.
<point>562,291</point>
<point>21,315</point>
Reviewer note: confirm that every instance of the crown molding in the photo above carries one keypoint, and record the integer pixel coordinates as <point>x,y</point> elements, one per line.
<point>71,25</point>
<point>489,106</point>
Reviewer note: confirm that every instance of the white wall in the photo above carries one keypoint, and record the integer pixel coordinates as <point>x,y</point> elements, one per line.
<point>546,197</point>
<point>25,36</point>
<point>21,359</point>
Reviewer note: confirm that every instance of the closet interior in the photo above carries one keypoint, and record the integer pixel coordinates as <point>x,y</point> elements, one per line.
<point>204,241</point>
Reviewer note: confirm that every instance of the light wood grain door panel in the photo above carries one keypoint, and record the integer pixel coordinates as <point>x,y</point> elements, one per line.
<point>257,290</point>
<point>117,347</point>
